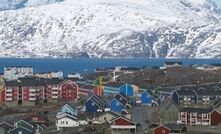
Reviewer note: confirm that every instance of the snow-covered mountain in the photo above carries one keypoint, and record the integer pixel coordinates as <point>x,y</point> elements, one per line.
<point>112,28</point>
<point>17,4</point>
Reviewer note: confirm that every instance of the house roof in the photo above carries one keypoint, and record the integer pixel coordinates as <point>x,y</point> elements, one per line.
<point>174,126</point>
<point>32,125</point>
<point>31,81</point>
<point>6,125</point>
<point>66,115</point>
<point>197,110</point>
<point>90,87</point>
<point>203,92</point>
<point>54,81</point>
<point>113,84</point>
<point>24,130</point>
<point>97,99</point>
<point>148,91</point>
<point>129,120</point>
<point>185,91</point>
<point>122,98</point>
<point>12,83</point>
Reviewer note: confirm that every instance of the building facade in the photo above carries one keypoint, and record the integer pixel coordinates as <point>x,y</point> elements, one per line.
<point>15,72</point>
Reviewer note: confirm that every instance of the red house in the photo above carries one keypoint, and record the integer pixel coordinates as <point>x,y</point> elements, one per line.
<point>37,119</point>
<point>170,128</point>
<point>2,95</point>
<point>11,95</point>
<point>52,89</point>
<point>2,90</point>
<point>199,116</point>
<point>86,90</point>
<point>122,124</point>
<point>33,89</point>
<point>68,90</point>
<point>161,130</point>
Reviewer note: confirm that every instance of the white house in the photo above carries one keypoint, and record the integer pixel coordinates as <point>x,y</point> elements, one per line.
<point>67,121</point>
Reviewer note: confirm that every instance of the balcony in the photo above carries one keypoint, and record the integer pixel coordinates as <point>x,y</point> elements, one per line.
<point>32,99</point>
<point>32,90</point>
<point>9,94</point>
<point>32,94</point>
<point>54,93</point>
<point>54,97</point>
<point>8,99</point>
<point>9,90</point>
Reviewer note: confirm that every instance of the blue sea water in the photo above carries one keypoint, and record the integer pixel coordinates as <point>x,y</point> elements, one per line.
<point>84,65</point>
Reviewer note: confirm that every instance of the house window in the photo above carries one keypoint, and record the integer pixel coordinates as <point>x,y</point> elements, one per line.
<point>66,122</point>
<point>93,104</point>
<point>163,131</point>
<point>204,115</point>
<point>19,132</point>
<point>117,104</point>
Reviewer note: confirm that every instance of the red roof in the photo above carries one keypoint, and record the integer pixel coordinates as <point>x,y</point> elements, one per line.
<point>122,121</point>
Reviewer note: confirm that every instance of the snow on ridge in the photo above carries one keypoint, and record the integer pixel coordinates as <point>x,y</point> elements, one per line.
<point>100,28</point>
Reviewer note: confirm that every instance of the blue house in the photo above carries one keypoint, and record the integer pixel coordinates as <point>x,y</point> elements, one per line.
<point>95,103</point>
<point>120,103</point>
<point>111,88</point>
<point>146,98</point>
<point>68,109</point>
<point>128,90</point>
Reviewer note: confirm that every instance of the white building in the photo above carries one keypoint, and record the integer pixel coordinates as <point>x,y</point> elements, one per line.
<point>13,73</point>
<point>67,122</point>
<point>76,75</point>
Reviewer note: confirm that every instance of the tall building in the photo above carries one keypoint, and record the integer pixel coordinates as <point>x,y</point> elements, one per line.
<point>15,72</point>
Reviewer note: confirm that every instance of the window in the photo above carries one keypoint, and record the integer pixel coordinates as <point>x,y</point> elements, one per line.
<point>117,104</point>
<point>93,104</point>
<point>163,131</point>
<point>66,122</point>
<point>19,132</point>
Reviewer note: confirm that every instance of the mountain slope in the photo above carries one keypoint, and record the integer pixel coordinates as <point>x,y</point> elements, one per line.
<point>115,28</point>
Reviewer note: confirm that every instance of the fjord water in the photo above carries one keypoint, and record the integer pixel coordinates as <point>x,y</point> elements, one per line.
<point>84,65</point>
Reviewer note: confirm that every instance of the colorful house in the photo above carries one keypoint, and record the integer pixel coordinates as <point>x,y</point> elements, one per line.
<point>128,90</point>
<point>29,126</point>
<point>2,90</point>
<point>170,129</point>
<point>120,103</point>
<point>52,89</point>
<point>5,127</point>
<point>146,98</point>
<point>21,130</point>
<point>86,90</point>
<point>33,89</point>
<point>111,88</point>
<point>37,118</point>
<point>94,104</point>
<point>185,96</point>
<point>67,108</point>
<point>199,116</point>
<point>122,125</point>
<point>12,89</point>
<point>68,90</point>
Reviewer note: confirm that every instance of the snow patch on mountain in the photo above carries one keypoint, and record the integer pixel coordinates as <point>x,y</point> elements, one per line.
<point>114,28</point>
<point>17,4</point>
